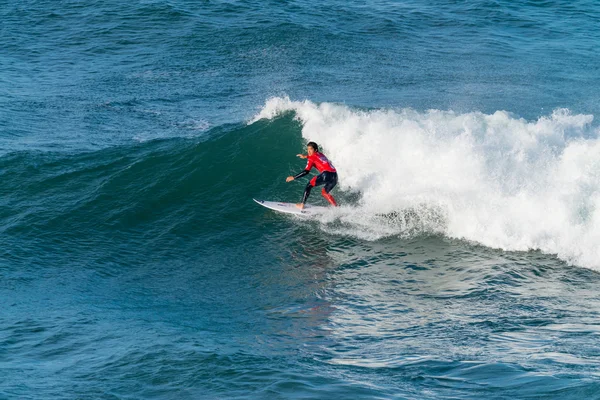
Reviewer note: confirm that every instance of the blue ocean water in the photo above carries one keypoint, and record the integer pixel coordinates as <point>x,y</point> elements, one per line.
<point>462,263</point>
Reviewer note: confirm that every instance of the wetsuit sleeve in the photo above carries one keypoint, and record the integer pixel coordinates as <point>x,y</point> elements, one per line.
<point>301,174</point>
<point>309,165</point>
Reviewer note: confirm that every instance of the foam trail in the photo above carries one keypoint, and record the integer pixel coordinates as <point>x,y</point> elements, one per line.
<point>495,179</point>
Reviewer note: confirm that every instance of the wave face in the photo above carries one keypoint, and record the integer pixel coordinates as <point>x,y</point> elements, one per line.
<point>496,179</point>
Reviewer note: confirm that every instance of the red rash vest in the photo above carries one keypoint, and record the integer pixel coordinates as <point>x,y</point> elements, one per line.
<point>320,162</point>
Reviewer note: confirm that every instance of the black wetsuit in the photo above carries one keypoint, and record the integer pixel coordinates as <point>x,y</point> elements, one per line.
<point>328,176</point>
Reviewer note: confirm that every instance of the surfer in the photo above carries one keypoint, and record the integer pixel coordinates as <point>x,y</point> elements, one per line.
<point>327,174</point>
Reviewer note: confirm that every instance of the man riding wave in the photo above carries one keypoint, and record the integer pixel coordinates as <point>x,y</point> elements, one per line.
<point>327,174</point>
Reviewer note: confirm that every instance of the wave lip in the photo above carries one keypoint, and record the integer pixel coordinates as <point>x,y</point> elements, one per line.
<point>501,181</point>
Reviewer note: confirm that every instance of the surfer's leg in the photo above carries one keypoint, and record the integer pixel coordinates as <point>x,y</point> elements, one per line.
<point>331,181</point>
<point>315,181</point>
<point>328,197</point>
<point>307,190</point>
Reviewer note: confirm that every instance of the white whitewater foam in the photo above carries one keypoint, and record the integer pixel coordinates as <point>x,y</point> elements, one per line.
<point>494,179</point>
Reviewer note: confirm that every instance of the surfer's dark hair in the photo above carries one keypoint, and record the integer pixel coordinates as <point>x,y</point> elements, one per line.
<point>313,145</point>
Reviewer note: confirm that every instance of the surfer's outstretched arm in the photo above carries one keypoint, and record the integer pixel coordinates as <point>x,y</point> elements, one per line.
<point>309,165</point>
<point>300,175</point>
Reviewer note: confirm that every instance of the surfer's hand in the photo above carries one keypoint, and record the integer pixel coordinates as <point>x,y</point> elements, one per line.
<point>300,155</point>
<point>289,179</point>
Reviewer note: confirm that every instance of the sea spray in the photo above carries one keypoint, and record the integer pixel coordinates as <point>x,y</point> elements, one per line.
<point>495,179</point>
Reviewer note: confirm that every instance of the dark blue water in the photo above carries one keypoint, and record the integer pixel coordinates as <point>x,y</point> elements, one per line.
<point>462,263</point>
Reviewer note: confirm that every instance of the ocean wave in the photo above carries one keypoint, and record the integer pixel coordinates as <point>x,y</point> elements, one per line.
<point>494,179</point>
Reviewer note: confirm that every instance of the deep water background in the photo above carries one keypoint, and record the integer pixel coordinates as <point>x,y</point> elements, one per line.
<point>134,264</point>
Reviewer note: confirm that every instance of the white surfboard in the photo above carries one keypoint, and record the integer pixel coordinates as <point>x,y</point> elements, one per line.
<point>290,208</point>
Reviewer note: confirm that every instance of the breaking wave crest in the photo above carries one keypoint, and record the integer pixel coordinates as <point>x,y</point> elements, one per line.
<point>497,179</point>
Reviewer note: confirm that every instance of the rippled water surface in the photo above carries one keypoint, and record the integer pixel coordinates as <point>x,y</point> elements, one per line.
<point>462,263</point>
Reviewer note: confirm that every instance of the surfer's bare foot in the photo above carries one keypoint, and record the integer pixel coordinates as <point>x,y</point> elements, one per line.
<point>300,206</point>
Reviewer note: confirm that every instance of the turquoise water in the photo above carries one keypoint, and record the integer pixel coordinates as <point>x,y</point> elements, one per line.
<point>462,263</point>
